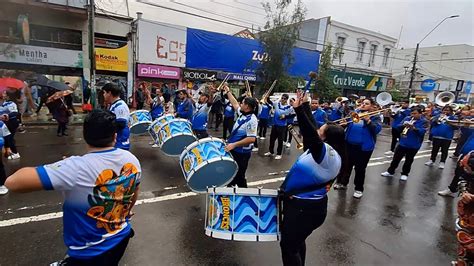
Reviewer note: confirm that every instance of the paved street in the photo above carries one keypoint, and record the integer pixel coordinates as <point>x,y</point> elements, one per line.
<point>395,223</point>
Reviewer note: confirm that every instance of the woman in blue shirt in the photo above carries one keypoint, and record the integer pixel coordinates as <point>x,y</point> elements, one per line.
<point>305,188</point>
<point>442,133</point>
<point>360,143</point>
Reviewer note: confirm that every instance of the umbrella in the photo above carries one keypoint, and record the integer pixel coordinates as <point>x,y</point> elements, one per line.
<point>57,85</point>
<point>11,83</point>
<point>41,80</point>
<point>58,95</point>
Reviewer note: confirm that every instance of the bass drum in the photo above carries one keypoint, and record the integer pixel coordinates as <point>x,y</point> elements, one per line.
<point>174,136</point>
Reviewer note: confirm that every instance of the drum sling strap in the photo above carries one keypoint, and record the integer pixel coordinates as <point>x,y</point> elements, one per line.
<point>238,126</point>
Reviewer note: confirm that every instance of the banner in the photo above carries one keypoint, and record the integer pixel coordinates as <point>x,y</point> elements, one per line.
<point>355,81</point>
<point>36,55</point>
<point>237,76</point>
<point>154,71</point>
<point>204,75</point>
<point>162,44</point>
<point>111,55</point>
<point>221,52</point>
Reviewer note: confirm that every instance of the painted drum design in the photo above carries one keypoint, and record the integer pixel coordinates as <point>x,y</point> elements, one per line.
<point>140,120</point>
<point>155,126</point>
<point>174,136</point>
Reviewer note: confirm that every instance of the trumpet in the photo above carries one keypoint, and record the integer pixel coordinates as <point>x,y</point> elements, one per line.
<point>268,92</point>
<point>296,136</point>
<point>406,128</point>
<point>341,99</point>
<point>356,117</point>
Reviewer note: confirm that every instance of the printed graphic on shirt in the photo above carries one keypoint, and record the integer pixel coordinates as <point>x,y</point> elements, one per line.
<point>111,199</point>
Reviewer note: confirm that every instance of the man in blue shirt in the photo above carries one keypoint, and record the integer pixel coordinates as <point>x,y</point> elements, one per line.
<point>396,119</point>
<point>199,119</point>
<point>122,114</point>
<point>319,115</point>
<point>184,108</point>
<point>282,110</point>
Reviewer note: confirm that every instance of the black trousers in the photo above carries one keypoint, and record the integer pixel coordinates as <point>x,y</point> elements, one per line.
<point>357,159</point>
<point>242,160</point>
<point>288,136</point>
<point>262,127</point>
<point>10,142</point>
<point>395,138</point>
<point>278,132</point>
<point>140,105</point>
<point>3,175</point>
<point>62,127</point>
<point>442,144</point>
<point>462,139</point>
<point>227,126</point>
<point>300,219</point>
<point>218,120</point>
<point>401,152</point>
<point>458,172</point>
<point>109,258</point>
<point>200,134</point>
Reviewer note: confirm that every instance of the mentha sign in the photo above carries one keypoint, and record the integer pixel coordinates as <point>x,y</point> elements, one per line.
<point>199,75</point>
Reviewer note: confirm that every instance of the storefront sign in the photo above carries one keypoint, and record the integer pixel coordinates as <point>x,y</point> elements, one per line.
<point>221,52</point>
<point>237,76</point>
<point>161,43</point>
<point>203,75</point>
<point>355,81</point>
<point>155,71</point>
<point>428,85</point>
<point>36,55</point>
<point>111,55</point>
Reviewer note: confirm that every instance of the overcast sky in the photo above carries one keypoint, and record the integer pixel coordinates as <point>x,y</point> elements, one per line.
<point>417,17</point>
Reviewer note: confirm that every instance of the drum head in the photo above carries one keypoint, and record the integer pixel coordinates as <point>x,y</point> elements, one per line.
<point>140,128</point>
<point>215,173</point>
<point>175,145</point>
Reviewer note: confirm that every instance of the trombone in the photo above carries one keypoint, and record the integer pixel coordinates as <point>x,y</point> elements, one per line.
<point>296,136</point>
<point>356,117</point>
<point>268,92</point>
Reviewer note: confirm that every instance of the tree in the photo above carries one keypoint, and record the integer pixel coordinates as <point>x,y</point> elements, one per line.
<point>325,89</point>
<point>278,38</point>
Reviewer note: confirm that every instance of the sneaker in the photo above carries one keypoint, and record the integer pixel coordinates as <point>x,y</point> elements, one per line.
<point>14,156</point>
<point>268,154</point>
<point>3,190</point>
<point>255,149</point>
<point>389,153</point>
<point>404,177</point>
<point>288,144</point>
<point>441,166</point>
<point>358,194</point>
<point>447,193</point>
<point>278,157</point>
<point>151,143</point>
<point>429,163</point>
<point>339,186</point>
<point>154,145</point>
<point>262,138</point>
<point>386,174</point>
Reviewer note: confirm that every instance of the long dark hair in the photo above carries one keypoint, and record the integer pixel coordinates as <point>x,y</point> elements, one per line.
<point>335,137</point>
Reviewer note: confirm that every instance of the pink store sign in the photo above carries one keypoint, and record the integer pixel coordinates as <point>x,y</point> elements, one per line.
<point>157,71</point>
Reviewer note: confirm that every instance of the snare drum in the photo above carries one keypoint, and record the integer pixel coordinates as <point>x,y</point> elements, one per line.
<point>140,120</point>
<point>205,163</point>
<point>155,126</point>
<point>242,214</point>
<point>174,136</point>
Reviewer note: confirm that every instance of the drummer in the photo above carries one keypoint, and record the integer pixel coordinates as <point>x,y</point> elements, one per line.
<point>243,135</point>
<point>184,108</point>
<point>122,114</point>
<point>199,119</point>
<point>156,104</point>
<point>306,185</point>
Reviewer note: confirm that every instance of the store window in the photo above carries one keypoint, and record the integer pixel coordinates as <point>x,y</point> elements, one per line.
<point>338,52</point>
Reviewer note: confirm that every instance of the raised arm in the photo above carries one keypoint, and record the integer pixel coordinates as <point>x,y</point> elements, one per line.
<point>231,97</point>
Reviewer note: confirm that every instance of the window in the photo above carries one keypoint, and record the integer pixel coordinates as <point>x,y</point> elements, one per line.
<point>373,49</point>
<point>338,52</point>
<point>360,51</point>
<point>386,53</point>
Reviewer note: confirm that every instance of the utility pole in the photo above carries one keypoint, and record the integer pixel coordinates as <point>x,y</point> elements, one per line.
<point>92,52</point>
<point>413,71</point>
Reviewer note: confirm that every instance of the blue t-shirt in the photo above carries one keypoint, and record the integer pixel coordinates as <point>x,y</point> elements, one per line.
<point>442,130</point>
<point>157,108</point>
<point>245,126</point>
<point>468,145</point>
<point>265,111</point>
<point>185,109</point>
<point>122,113</point>
<point>98,189</point>
<point>229,110</point>
<point>413,138</point>
<point>320,117</point>
<point>280,110</point>
<point>199,120</point>
<point>398,117</point>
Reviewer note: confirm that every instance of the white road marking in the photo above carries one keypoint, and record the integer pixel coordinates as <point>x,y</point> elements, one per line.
<point>55,215</point>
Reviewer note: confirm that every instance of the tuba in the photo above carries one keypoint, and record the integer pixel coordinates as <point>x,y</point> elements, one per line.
<point>383,98</point>
<point>445,98</point>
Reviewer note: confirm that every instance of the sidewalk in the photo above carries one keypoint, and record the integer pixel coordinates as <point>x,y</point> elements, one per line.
<point>45,119</point>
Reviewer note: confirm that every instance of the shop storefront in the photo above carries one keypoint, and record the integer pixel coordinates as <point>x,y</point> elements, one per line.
<point>153,77</point>
<point>362,85</point>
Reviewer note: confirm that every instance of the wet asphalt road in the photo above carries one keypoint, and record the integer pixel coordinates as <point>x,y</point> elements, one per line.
<point>395,223</point>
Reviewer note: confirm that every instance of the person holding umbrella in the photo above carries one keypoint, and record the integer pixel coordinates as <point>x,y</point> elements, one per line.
<point>60,111</point>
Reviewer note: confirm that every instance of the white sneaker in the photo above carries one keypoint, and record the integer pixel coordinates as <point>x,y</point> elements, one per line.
<point>262,138</point>
<point>255,149</point>
<point>155,145</point>
<point>339,186</point>
<point>441,166</point>
<point>15,156</point>
<point>404,177</point>
<point>151,143</point>
<point>386,174</point>
<point>278,157</point>
<point>388,153</point>
<point>288,145</point>
<point>447,193</point>
<point>268,154</point>
<point>429,163</point>
<point>3,190</point>
<point>358,194</point>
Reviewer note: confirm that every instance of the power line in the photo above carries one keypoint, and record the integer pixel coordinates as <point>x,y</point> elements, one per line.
<point>243,9</point>
<point>245,4</point>
<point>447,59</point>
<point>454,69</point>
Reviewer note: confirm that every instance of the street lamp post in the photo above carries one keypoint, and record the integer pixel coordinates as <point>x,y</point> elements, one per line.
<point>413,70</point>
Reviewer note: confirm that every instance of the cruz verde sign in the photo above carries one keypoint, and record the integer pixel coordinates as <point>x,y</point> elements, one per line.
<point>355,81</point>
